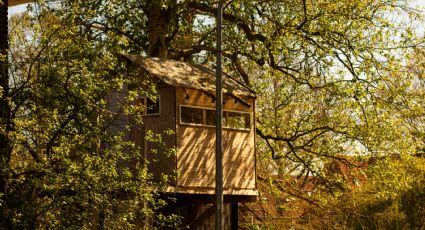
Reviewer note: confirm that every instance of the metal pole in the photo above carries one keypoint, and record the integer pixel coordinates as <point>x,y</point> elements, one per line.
<point>219,223</point>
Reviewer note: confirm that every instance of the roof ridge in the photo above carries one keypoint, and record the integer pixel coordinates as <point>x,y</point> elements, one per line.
<point>187,74</point>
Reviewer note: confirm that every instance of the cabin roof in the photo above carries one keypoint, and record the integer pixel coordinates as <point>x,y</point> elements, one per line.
<point>184,74</point>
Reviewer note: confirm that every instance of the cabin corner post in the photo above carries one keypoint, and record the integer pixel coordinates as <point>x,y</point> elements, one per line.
<point>219,220</point>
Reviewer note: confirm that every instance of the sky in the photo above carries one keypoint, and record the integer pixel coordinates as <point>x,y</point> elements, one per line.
<point>419,3</point>
<point>21,8</point>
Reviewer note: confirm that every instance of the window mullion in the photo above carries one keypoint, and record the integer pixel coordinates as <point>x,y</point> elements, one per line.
<point>204,117</point>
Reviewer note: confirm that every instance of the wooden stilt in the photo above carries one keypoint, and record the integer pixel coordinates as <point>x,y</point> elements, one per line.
<point>234,216</point>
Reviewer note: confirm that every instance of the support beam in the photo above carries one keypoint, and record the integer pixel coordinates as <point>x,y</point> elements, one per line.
<point>234,216</point>
<point>212,96</point>
<point>201,218</point>
<point>240,100</point>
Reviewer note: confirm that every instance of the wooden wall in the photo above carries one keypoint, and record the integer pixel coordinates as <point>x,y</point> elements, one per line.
<point>195,160</point>
<point>196,146</point>
<point>202,99</point>
<point>159,163</point>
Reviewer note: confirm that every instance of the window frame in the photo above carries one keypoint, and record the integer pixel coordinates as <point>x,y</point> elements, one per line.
<point>203,116</point>
<point>145,108</point>
<point>240,112</point>
<point>213,126</point>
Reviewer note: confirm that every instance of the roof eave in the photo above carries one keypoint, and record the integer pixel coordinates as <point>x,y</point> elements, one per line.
<point>241,90</point>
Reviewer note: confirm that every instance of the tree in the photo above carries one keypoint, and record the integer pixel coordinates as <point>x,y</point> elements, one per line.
<point>69,167</point>
<point>330,76</point>
<point>392,198</point>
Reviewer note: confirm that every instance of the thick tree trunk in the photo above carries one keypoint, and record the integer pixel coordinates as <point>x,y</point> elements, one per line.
<point>5,148</point>
<point>158,31</point>
<point>159,20</point>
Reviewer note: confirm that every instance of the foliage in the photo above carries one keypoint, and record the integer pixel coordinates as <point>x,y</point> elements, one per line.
<point>392,198</point>
<point>71,165</point>
<point>333,79</point>
<point>330,76</point>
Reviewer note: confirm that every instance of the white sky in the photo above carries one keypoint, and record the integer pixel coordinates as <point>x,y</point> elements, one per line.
<point>17,9</point>
<point>418,3</point>
<point>21,8</point>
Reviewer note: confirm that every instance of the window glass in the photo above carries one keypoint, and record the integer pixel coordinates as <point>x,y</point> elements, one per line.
<point>210,117</point>
<point>152,107</point>
<point>204,116</point>
<point>191,115</point>
<point>247,118</point>
<point>236,120</point>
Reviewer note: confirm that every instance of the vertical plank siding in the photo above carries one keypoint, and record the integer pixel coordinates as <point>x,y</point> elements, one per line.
<point>196,147</point>
<point>195,159</point>
<point>159,162</point>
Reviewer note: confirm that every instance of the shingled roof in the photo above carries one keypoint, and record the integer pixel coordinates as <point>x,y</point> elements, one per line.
<point>184,74</point>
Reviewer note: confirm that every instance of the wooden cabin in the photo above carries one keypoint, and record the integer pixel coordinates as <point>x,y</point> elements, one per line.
<point>186,105</point>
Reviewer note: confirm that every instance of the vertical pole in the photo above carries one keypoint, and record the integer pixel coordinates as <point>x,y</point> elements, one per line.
<point>219,223</point>
<point>234,216</point>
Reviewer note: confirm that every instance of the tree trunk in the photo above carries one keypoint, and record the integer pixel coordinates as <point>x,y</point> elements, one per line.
<point>5,148</point>
<point>159,20</point>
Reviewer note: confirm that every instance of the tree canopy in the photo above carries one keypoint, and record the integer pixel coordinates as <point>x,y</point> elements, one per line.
<point>69,166</point>
<point>335,81</point>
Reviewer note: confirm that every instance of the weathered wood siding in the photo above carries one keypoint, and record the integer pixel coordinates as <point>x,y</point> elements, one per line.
<point>201,99</point>
<point>159,162</point>
<point>196,147</point>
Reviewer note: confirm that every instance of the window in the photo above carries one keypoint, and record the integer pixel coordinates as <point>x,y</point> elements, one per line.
<point>150,107</point>
<point>206,117</point>
<point>236,120</point>
<point>210,117</point>
<point>191,115</point>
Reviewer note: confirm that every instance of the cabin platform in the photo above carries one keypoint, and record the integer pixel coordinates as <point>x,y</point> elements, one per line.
<point>211,191</point>
<point>207,195</point>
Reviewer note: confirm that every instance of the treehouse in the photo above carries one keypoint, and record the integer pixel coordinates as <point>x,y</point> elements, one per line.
<point>186,105</point>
